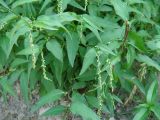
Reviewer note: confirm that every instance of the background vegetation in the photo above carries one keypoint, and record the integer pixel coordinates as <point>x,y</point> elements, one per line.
<point>101,56</point>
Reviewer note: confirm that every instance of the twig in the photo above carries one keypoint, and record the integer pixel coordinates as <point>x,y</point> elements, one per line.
<point>133,92</point>
<point>125,35</point>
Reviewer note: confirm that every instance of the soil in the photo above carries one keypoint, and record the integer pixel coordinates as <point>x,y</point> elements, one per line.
<point>16,110</point>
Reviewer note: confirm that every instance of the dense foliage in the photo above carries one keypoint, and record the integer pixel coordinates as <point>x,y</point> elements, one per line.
<point>98,55</point>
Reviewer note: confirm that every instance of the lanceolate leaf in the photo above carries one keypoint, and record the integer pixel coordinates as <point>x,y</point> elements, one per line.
<point>76,5</point>
<point>88,20</point>
<point>65,3</point>
<point>155,43</point>
<point>141,114</point>
<point>138,41</point>
<point>130,56</point>
<point>55,48</point>
<point>139,84</point>
<point>106,49</point>
<point>88,75</point>
<point>7,18</point>
<point>45,3</point>
<point>58,67</point>
<point>57,110</point>
<point>48,98</point>
<point>156,110</point>
<point>5,44</point>
<point>18,61</point>
<point>29,51</point>
<point>72,47</point>
<point>148,61</point>
<point>20,28</point>
<point>121,9</point>
<point>95,31</point>
<point>46,21</point>
<point>81,109</point>
<point>93,101</point>
<point>22,2</point>
<point>7,87</point>
<point>24,82</point>
<point>88,59</point>
<point>4,4</point>
<point>90,25</point>
<point>152,92</point>
<point>135,1</point>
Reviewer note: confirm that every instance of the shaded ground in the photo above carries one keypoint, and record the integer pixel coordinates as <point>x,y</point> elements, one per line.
<point>17,110</point>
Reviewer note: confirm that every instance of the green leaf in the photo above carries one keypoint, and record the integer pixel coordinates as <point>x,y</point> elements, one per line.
<point>130,56</point>
<point>152,92</point>
<point>155,43</point>
<point>121,8</point>
<point>20,28</point>
<point>88,59</point>
<point>46,21</point>
<point>139,84</point>
<point>5,44</point>
<point>79,85</point>
<point>48,85</point>
<point>18,61</point>
<point>88,19</point>
<point>41,25</point>
<point>57,110</point>
<point>88,75</point>
<point>156,110</point>
<point>15,76</point>
<point>76,5</point>
<point>21,2</point>
<point>141,114</point>
<point>91,25</point>
<point>72,47</point>
<point>138,41</point>
<point>58,67</point>
<point>45,3</point>
<point>117,99</point>
<point>24,87</point>
<point>65,3</point>
<point>28,51</point>
<point>33,79</point>
<point>7,18</point>
<point>148,61</point>
<point>46,24</point>
<point>7,87</point>
<point>109,102</point>
<point>135,1</point>
<point>120,74</point>
<point>106,49</point>
<point>81,109</point>
<point>4,4</point>
<point>95,31</point>
<point>55,48</point>
<point>93,101</point>
<point>77,97</point>
<point>48,98</point>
